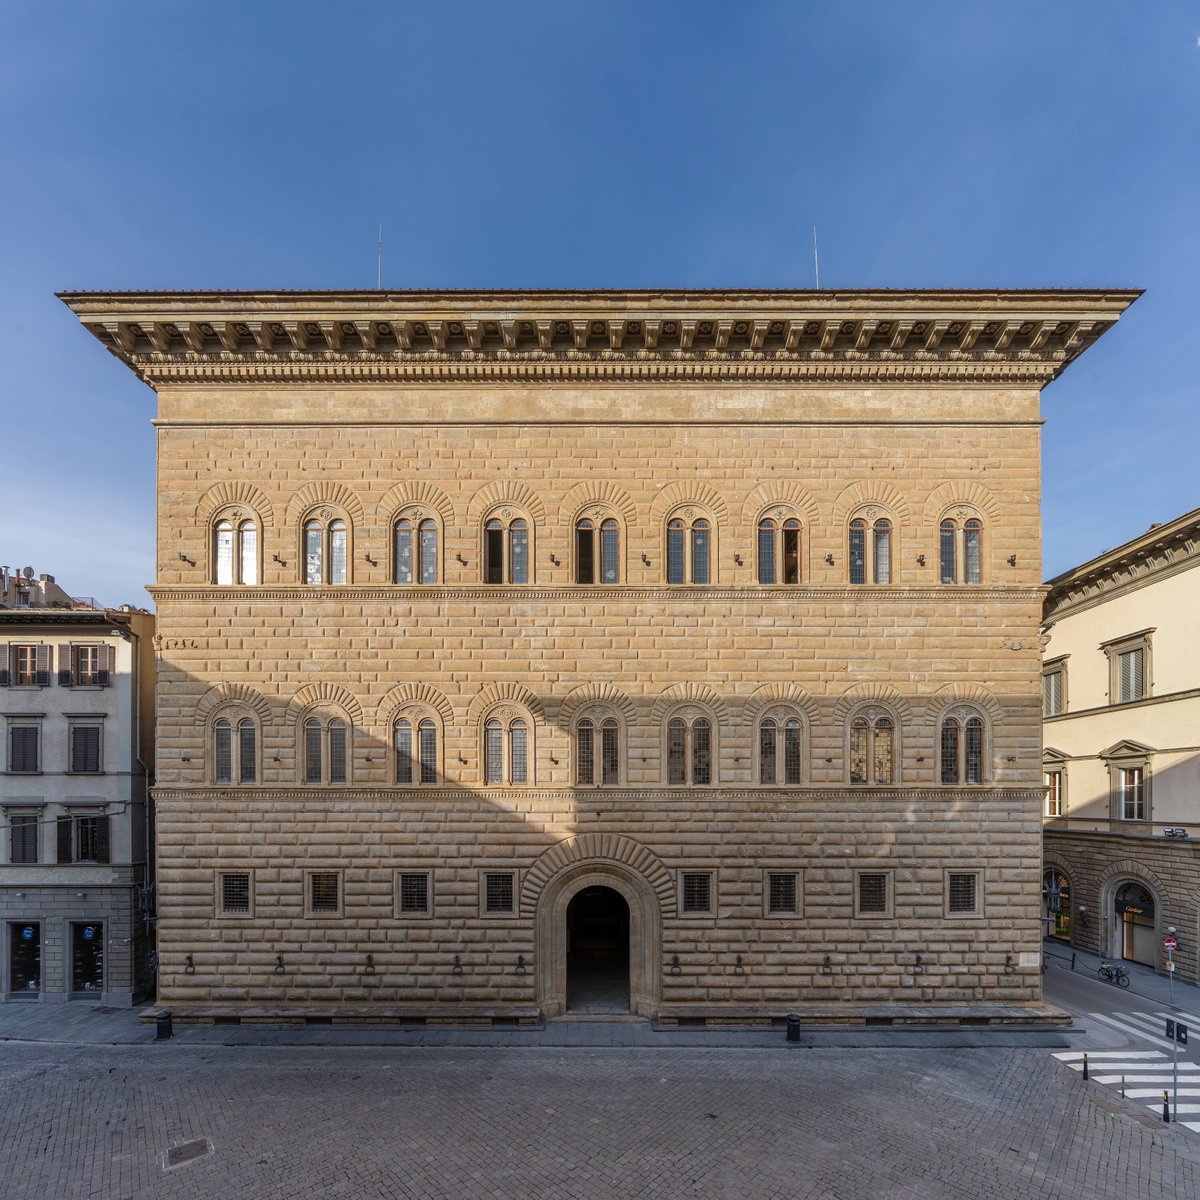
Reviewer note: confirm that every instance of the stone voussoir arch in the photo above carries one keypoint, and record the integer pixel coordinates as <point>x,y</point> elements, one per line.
<point>780,693</point>
<point>689,491</point>
<point>415,492</point>
<point>503,491</point>
<point>231,493</point>
<point>222,694</point>
<point>598,848</point>
<point>595,693</point>
<point>1129,868</point>
<point>872,693</point>
<point>413,693</point>
<point>972,494</point>
<point>602,493</point>
<point>504,693</point>
<point>337,495</point>
<point>330,694</point>
<point>688,693</point>
<point>963,693</point>
<point>870,491</point>
<point>782,492</point>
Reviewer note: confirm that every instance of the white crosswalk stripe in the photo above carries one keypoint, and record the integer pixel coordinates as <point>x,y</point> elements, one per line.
<point>1148,1093</point>
<point>1097,1055</point>
<point>1129,1024</point>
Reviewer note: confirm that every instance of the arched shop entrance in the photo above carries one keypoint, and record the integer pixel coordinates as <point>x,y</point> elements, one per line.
<point>1056,904</point>
<point>1134,904</point>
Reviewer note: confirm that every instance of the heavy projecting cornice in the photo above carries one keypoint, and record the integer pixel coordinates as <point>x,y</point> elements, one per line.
<point>600,336</point>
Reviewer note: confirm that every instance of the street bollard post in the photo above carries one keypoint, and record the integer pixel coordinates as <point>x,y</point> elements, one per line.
<point>162,1026</point>
<point>793,1027</point>
<point>1085,1074</point>
<point>1166,1109</point>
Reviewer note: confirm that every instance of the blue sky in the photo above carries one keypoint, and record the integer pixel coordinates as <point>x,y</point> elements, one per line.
<point>163,144</point>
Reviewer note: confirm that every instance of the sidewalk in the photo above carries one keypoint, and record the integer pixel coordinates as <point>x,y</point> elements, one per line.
<point>1143,981</point>
<point>80,1024</point>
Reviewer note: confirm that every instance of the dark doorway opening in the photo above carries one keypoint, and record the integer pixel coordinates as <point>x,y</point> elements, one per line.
<point>87,958</point>
<point>25,959</point>
<point>598,952</point>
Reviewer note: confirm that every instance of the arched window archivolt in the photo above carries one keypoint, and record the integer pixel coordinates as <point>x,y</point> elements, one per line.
<point>599,741</point>
<point>871,549</point>
<point>780,545</point>
<point>235,744</point>
<point>691,537</point>
<point>326,746</point>
<point>598,546</point>
<point>780,747</point>
<point>417,540</point>
<point>506,549</point>
<point>236,547</point>
<point>962,745</point>
<point>689,750</point>
<point>326,546</point>
<point>507,750</point>
<point>417,746</point>
<point>960,545</point>
<point>872,746</point>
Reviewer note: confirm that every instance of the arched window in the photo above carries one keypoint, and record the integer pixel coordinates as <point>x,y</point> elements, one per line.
<point>691,755</point>
<point>598,750</point>
<point>960,550</point>
<point>235,552</point>
<point>597,550</point>
<point>1056,903</point>
<point>415,743</point>
<point>779,550</point>
<point>872,747</point>
<point>326,550</point>
<point>870,549</point>
<point>962,747</point>
<point>689,549</point>
<point>506,550</point>
<point>507,752</point>
<point>235,750</point>
<point>415,550</point>
<point>326,750</point>
<point>780,748</point>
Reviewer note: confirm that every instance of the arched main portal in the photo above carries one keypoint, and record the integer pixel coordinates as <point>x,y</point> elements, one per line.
<point>596,918</point>
<point>1135,923</point>
<point>598,951</point>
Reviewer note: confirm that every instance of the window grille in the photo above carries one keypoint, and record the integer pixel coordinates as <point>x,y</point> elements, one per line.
<point>610,548</point>
<point>585,762</point>
<point>766,752</point>
<point>403,534</point>
<point>948,572</point>
<point>949,750</point>
<point>701,751</point>
<point>972,551</point>
<point>313,568</point>
<point>223,749</point>
<point>610,764</point>
<point>792,747</point>
<point>247,751</point>
<point>337,552</point>
<point>493,738</point>
<point>248,537</point>
<point>414,893</point>
<point>235,893</point>
<point>520,752</point>
<point>973,751</point>
<point>324,892</point>
<point>519,551</point>
<point>677,751</point>
<point>782,893</point>
<point>872,892</point>
<point>427,532</point>
<point>791,551</point>
<point>498,893</point>
<point>337,752</point>
<point>403,741</point>
<point>766,552</point>
<point>85,748</point>
<point>427,737</point>
<point>224,553</point>
<point>312,752</point>
<point>697,892</point>
<point>675,552</point>
<point>700,548</point>
<point>962,891</point>
<point>858,551</point>
<point>883,551</point>
<point>23,838</point>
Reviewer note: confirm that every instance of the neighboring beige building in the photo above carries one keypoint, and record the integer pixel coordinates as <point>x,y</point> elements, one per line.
<point>671,652</point>
<point>1122,749</point>
<point>77,710</point>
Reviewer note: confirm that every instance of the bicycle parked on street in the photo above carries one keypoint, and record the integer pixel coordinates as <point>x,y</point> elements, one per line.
<point>1114,973</point>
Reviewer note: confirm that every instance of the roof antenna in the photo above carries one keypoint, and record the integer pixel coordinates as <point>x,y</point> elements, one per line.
<point>379,258</point>
<point>816,260</point>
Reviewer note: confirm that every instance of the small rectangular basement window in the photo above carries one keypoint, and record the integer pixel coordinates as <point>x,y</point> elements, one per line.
<point>697,891</point>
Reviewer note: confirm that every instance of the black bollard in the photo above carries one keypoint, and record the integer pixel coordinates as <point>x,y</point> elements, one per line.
<point>1085,1074</point>
<point>793,1027</point>
<point>1166,1109</point>
<point>162,1025</point>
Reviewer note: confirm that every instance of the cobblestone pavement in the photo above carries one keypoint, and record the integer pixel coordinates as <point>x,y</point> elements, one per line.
<point>291,1122</point>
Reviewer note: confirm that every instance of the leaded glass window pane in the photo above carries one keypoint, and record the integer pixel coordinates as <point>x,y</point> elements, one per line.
<point>312,752</point>
<point>950,751</point>
<point>337,752</point>
<point>248,533</point>
<point>610,546</point>
<point>701,751</point>
<point>493,752</point>
<point>520,752</point>
<point>883,750</point>
<point>973,751</point>
<point>946,551</point>
<point>493,552</point>
<point>585,553</point>
<point>247,752</point>
<point>404,552</point>
<point>700,543</point>
<point>675,552</point>
<point>519,542</point>
<point>610,762</point>
<point>337,552</point>
<point>312,552</point>
<point>677,751</point>
<point>427,736</point>
<point>429,552</point>
<point>224,751</point>
<point>859,736</point>
<point>883,551</point>
<point>793,736</point>
<point>858,552</point>
<point>766,752</point>
<point>403,741</point>
<point>585,753</point>
<point>791,552</point>
<point>766,552</point>
<point>224,553</point>
<point>972,550</point>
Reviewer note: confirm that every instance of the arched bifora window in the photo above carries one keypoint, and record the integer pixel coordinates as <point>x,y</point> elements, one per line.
<point>780,748</point>
<point>235,750</point>
<point>326,750</point>
<point>870,548</point>
<point>960,549</point>
<point>872,747</point>
<point>962,743</point>
<point>779,549</point>
<point>598,750</point>
<point>691,755</point>
<point>597,550</point>
<point>326,549</point>
<point>235,551</point>
<point>506,549</point>
<point>690,548</point>
<point>415,746</point>
<point>507,748</point>
<point>415,549</point>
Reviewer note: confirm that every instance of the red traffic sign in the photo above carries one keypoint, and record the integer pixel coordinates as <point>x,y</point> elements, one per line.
<point>1169,943</point>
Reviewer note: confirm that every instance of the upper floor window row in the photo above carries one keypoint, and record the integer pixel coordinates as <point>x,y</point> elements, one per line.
<point>80,664</point>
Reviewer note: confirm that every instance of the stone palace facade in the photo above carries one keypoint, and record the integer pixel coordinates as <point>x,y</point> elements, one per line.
<point>668,652</point>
